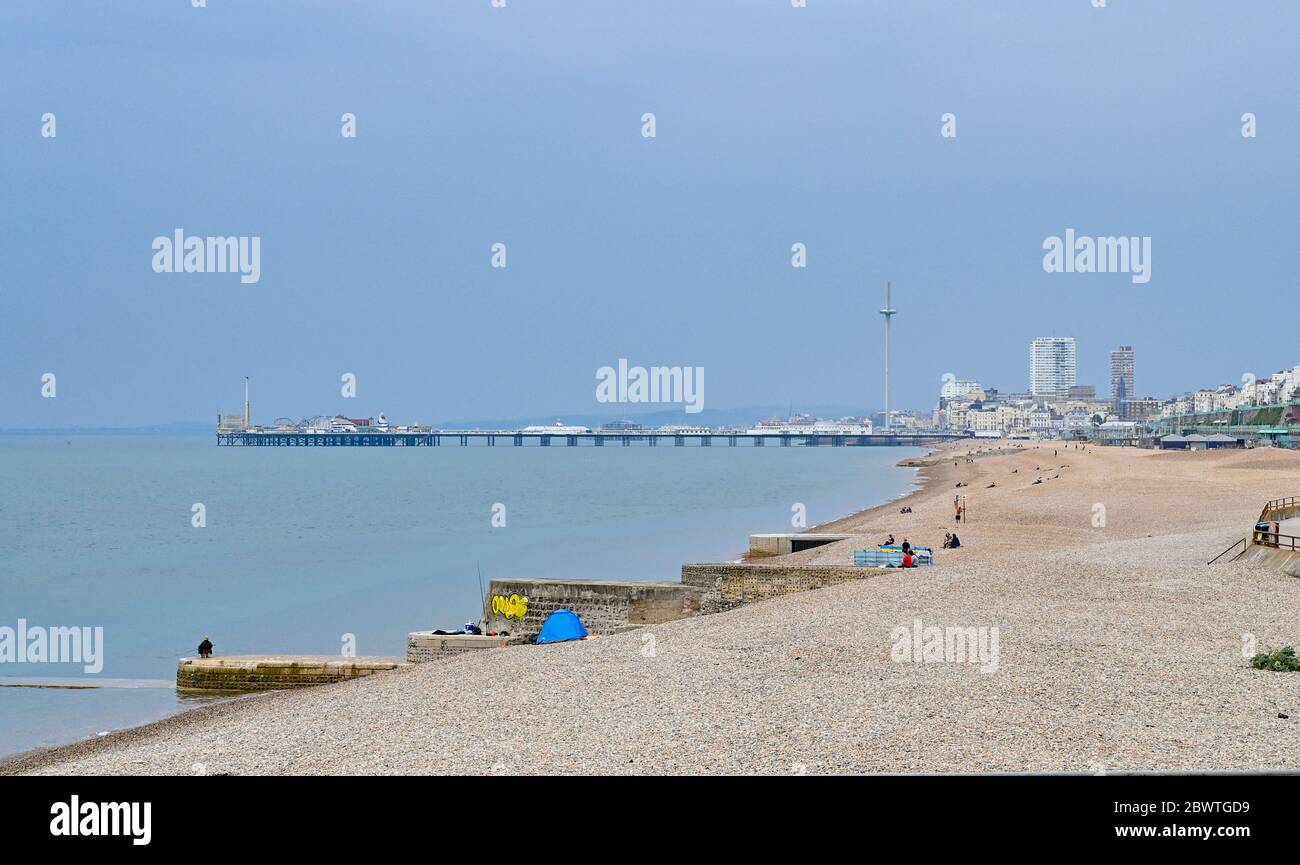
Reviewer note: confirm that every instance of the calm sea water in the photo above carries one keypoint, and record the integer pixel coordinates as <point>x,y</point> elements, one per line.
<point>305,545</point>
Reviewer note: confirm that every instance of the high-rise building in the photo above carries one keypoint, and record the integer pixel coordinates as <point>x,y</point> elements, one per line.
<point>1052,366</point>
<point>1121,374</point>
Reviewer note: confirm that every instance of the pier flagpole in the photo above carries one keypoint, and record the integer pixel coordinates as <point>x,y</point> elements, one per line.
<point>888,312</point>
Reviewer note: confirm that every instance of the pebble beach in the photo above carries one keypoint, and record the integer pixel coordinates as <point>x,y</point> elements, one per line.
<point>1119,649</point>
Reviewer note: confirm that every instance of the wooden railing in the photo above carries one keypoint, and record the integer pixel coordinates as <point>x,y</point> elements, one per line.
<point>1274,512</point>
<point>1277,541</point>
<point>1279,505</point>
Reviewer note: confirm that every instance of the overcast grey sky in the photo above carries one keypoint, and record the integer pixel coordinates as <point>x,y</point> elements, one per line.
<point>775,125</point>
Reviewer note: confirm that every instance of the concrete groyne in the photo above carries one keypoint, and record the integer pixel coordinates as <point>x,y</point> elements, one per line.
<point>425,646</point>
<point>520,606</point>
<point>728,585</point>
<point>274,672</point>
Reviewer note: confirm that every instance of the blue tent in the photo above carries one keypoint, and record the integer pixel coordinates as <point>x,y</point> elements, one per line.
<point>560,626</point>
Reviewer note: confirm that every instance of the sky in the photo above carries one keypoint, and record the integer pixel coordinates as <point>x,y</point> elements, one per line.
<point>522,125</point>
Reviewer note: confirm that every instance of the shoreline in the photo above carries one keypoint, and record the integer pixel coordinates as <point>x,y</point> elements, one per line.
<point>26,760</point>
<point>26,756</point>
<point>1026,545</point>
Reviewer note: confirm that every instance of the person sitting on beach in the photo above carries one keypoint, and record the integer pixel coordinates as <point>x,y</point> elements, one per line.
<point>907,547</point>
<point>908,562</point>
<point>956,542</point>
<point>947,540</point>
<point>890,542</point>
<point>205,647</point>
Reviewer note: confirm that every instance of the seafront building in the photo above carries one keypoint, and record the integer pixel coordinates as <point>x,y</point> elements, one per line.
<point>1121,374</point>
<point>1052,366</point>
<point>1259,410</point>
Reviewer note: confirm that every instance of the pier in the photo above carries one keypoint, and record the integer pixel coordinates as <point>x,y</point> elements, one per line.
<point>514,438</point>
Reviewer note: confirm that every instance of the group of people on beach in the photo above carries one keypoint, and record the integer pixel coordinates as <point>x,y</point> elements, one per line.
<point>909,559</point>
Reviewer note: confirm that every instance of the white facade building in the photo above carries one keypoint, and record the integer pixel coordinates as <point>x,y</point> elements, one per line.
<point>1052,366</point>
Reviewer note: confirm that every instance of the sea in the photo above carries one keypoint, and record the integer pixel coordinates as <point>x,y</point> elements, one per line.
<point>161,540</point>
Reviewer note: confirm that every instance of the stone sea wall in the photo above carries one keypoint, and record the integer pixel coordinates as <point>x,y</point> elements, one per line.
<point>521,606</point>
<point>724,586</point>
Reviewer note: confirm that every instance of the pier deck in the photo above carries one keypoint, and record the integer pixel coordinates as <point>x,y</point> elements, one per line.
<point>491,438</point>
